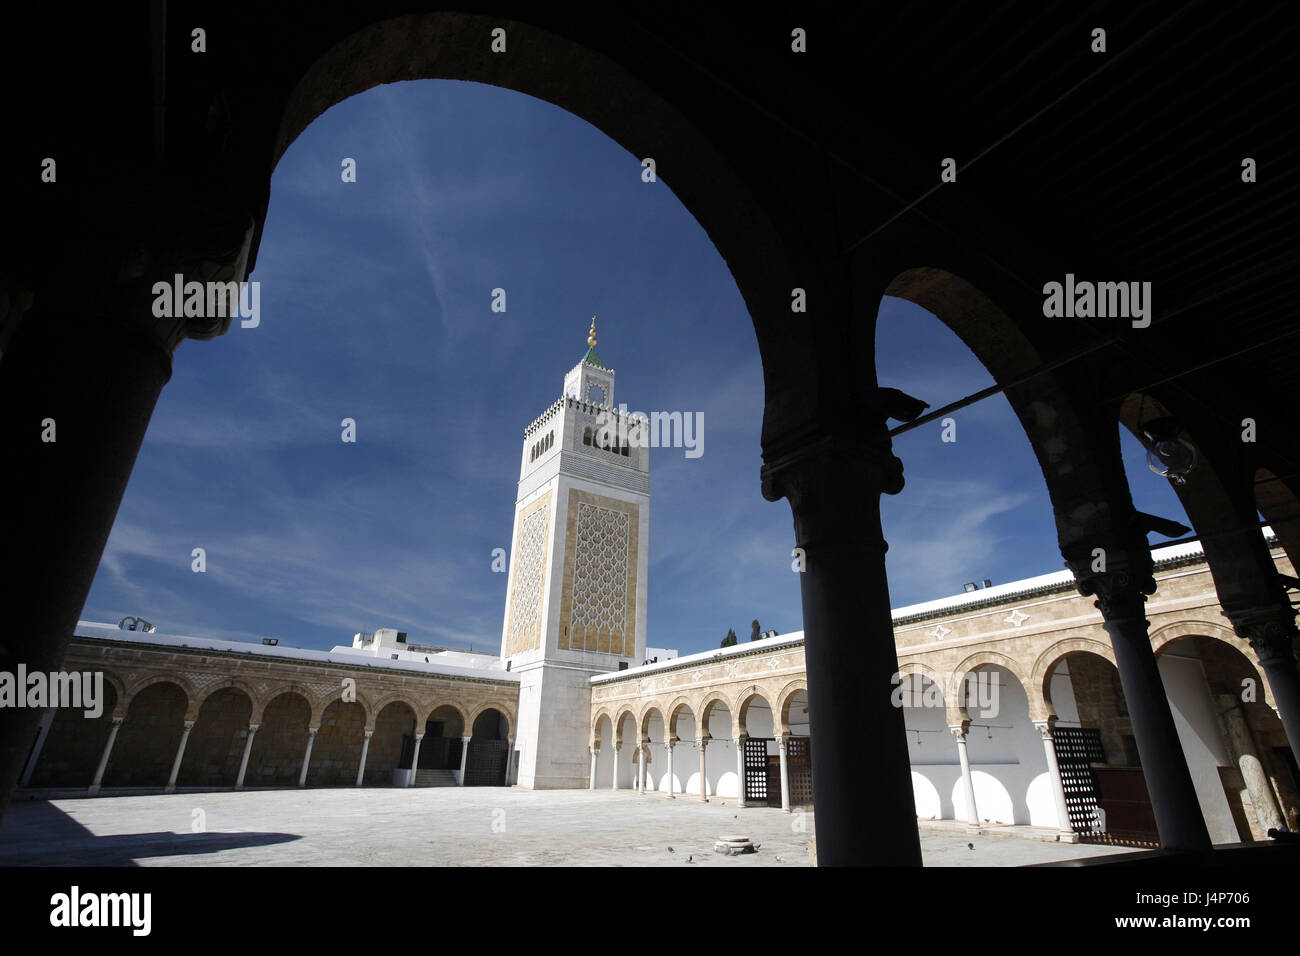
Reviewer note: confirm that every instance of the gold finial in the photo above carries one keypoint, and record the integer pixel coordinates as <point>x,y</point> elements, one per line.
<point>591,335</point>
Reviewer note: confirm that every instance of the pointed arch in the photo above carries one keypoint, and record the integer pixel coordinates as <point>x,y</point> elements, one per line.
<point>144,683</point>
<point>1167,634</point>
<point>227,683</point>
<point>313,705</point>
<point>674,712</point>
<point>785,697</point>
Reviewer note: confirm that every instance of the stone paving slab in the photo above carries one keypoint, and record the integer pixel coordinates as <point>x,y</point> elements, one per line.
<point>473,826</point>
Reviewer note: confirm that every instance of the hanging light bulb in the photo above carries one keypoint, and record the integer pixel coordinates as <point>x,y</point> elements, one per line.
<point>1168,455</point>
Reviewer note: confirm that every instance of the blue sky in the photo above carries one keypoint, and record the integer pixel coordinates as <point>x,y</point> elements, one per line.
<point>375,305</point>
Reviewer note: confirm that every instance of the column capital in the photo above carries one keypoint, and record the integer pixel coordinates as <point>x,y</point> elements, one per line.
<point>669,741</point>
<point>959,730</point>
<point>189,725</point>
<point>253,728</point>
<point>783,742</point>
<point>703,741</point>
<point>369,734</point>
<point>466,740</point>
<point>311,731</point>
<point>1120,578</point>
<point>1045,727</point>
<point>118,719</point>
<point>739,739</point>
<point>1269,629</point>
<point>160,226</point>
<point>832,484</point>
<point>417,736</point>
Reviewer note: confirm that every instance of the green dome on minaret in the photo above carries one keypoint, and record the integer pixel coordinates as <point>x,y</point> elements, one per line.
<point>592,358</point>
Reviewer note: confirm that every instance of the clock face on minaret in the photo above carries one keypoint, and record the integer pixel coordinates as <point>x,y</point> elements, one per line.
<point>576,595</point>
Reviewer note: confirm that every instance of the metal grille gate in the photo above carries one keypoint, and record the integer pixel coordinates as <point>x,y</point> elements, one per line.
<point>756,769</point>
<point>485,764</point>
<point>1076,750</point>
<point>799,767</point>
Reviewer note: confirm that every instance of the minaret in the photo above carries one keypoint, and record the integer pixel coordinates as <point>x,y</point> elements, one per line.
<point>576,598</point>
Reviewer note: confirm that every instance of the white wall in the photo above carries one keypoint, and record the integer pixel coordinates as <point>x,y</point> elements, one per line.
<point>1008,764</point>
<point>933,751</point>
<point>1062,694</point>
<point>1198,729</point>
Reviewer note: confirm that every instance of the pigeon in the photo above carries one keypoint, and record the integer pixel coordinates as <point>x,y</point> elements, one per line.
<point>779,860</point>
<point>670,850</point>
<point>690,858</point>
<point>970,846</point>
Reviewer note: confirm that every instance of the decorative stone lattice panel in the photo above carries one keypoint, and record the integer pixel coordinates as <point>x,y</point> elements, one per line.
<point>530,575</point>
<point>600,578</point>
<point>598,611</point>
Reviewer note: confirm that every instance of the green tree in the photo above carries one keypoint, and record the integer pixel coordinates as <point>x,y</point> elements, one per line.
<point>730,639</point>
<point>753,631</point>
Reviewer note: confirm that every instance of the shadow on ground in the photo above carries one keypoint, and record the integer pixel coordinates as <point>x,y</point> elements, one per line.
<point>41,834</point>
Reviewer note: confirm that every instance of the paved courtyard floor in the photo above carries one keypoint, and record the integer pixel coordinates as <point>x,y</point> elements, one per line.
<point>473,826</point>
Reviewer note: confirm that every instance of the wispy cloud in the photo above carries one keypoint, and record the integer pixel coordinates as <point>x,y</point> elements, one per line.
<point>375,306</point>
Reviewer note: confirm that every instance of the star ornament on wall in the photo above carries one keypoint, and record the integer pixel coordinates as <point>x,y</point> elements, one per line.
<point>1017,617</point>
<point>939,632</point>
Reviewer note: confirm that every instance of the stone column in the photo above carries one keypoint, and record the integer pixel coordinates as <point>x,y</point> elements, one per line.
<point>464,758</point>
<point>740,766</point>
<point>669,745</point>
<point>1271,632</point>
<point>510,758</point>
<point>595,751</point>
<point>415,760</point>
<point>783,744</point>
<point>103,758</point>
<point>77,388</point>
<point>365,749</point>
<point>1121,590</point>
<point>613,782</point>
<point>46,722</point>
<point>1241,746</point>
<point>180,752</point>
<point>704,769</point>
<point>306,757</point>
<point>972,813</point>
<point>862,777</point>
<point>248,749</point>
<point>1054,771</point>
<point>640,766</point>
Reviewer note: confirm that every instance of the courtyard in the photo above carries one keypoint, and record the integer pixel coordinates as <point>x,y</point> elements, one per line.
<point>444,826</point>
